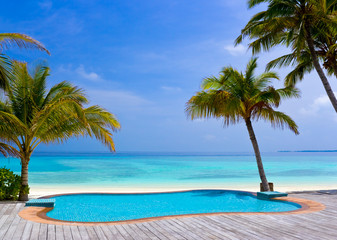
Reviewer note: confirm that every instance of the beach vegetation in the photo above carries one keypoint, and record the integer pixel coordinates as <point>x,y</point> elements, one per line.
<point>308,27</point>
<point>10,184</point>
<point>236,97</point>
<point>32,114</point>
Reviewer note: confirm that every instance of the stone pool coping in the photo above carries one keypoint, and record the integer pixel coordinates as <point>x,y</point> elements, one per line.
<point>39,214</point>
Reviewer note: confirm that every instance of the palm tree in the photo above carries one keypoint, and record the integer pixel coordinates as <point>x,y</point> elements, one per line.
<point>293,23</point>
<point>32,115</point>
<point>9,40</point>
<point>235,96</point>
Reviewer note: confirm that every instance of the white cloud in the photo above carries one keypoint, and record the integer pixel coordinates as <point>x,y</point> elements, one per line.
<point>238,50</point>
<point>171,89</point>
<point>92,76</point>
<point>318,104</point>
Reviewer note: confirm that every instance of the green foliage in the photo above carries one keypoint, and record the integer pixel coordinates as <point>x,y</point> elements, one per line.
<point>292,23</point>
<point>235,96</point>
<point>31,114</point>
<point>9,185</point>
<point>7,41</point>
<point>25,189</point>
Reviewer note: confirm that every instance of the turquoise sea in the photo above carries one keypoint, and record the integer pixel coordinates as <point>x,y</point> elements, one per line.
<point>183,170</point>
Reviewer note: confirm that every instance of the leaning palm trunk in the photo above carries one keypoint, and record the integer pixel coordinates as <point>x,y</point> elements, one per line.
<point>318,68</point>
<point>23,195</point>
<point>262,174</point>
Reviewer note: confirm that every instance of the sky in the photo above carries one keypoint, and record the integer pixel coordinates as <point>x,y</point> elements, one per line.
<point>143,60</point>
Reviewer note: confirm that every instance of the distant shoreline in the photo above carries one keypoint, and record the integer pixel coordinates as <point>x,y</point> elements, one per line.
<point>309,151</point>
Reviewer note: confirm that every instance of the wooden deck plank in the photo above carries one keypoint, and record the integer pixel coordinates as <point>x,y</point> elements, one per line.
<point>51,232</point>
<point>11,230</point>
<point>168,230</point>
<point>146,231</point>
<point>199,231</point>
<point>91,233</point>
<point>67,233</point>
<point>225,230</point>
<point>178,234</point>
<point>188,232</point>
<point>12,217</point>
<point>43,232</point>
<point>210,234</point>
<point>3,209</point>
<point>165,231</point>
<point>155,231</point>
<point>99,233</point>
<point>59,232</point>
<point>75,232</point>
<point>111,232</point>
<point>19,230</point>
<point>139,234</point>
<point>31,231</point>
<point>83,232</point>
<point>124,233</point>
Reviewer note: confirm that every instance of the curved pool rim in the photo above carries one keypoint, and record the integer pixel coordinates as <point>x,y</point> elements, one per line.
<point>39,214</point>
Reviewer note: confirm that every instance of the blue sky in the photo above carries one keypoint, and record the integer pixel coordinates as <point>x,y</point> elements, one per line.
<point>142,60</point>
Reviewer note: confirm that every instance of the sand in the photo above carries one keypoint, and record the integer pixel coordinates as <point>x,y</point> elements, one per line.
<point>39,191</point>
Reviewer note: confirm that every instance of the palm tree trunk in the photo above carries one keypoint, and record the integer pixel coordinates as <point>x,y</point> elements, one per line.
<point>23,195</point>
<point>262,174</point>
<point>318,68</point>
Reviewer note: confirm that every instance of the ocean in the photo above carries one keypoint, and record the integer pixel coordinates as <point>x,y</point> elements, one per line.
<point>142,171</point>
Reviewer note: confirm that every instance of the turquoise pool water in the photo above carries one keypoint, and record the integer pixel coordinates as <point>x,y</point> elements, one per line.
<point>119,207</point>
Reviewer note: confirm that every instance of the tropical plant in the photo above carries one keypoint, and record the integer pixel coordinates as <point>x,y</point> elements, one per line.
<point>235,96</point>
<point>298,24</point>
<point>32,115</point>
<point>9,184</point>
<point>9,40</point>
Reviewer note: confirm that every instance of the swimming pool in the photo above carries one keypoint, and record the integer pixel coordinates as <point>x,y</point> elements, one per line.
<point>121,207</point>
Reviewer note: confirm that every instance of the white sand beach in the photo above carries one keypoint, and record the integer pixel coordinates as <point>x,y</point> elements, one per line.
<point>40,191</point>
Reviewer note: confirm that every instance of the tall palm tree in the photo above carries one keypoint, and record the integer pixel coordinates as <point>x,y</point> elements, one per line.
<point>293,23</point>
<point>235,96</point>
<point>9,40</point>
<point>32,115</point>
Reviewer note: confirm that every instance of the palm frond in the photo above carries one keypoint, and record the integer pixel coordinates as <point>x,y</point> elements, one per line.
<point>8,151</point>
<point>8,40</point>
<point>5,71</point>
<point>277,119</point>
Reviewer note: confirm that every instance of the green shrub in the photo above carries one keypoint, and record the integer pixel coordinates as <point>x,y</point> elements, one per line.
<point>9,184</point>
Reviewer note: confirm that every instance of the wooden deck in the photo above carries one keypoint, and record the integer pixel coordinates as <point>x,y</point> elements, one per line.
<point>318,225</point>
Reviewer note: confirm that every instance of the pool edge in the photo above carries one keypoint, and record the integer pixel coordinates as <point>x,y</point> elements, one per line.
<point>39,214</point>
